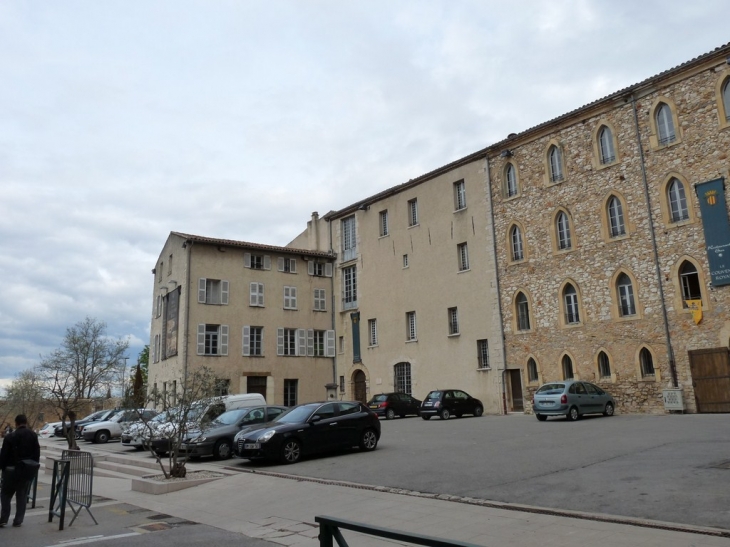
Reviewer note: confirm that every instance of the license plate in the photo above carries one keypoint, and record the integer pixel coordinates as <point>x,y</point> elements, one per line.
<point>373,406</point>
<point>547,403</point>
<point>251,446</point>
<point>427,404</point>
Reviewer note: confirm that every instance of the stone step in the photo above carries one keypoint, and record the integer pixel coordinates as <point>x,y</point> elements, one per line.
<point>130,470</point>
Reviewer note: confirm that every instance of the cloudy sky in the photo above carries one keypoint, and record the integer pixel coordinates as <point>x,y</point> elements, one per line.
<point>121,121</point>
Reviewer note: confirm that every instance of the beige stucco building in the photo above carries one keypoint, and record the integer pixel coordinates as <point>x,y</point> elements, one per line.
<point>257,315</point>
<point>416,305</point>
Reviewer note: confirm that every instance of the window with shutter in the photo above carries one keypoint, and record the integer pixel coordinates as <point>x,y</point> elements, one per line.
<point>290,298</point>
<point>330,343</point>
<point>301,342</point>
<point>202,283</point>
<point>256,294</point>
<point>310,342</point>
<point>246,341</point>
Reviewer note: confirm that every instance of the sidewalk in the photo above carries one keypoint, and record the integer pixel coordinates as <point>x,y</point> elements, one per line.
<point>282,510</point>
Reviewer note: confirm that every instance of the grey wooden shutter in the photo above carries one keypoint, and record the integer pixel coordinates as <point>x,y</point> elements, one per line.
<point>253,294</point>
<point>293,265</point>
<point>224,292</point>
<point>246,340</point>
<point>201,339</point>
<point>310,342</point>
<point>260,294</point>
<point>201,290</point>
<point>267,262</point>
<point>293,297</point>
<point>247,260</point>
<point>328,269</point>
<point>330,343</point>
<point>280,341</point>
<point>280,261</point>
<point>302,342</point>
<point>310,267</point>
<point>224,340</point>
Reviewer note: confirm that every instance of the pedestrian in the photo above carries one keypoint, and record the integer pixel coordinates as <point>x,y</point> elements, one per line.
<point>19,461</point>
<point>8,430</point>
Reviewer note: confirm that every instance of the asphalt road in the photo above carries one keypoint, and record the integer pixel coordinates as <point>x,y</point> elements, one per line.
<point>673,468</point>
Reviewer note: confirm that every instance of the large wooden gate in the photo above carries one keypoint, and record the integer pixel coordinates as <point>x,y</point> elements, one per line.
<point>358,380</point>
<point>711,379</point>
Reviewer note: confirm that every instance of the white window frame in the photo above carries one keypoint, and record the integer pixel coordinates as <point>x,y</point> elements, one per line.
<point>349,238</point>
<point>372,332</point>
<point>522,309</point>
<point>383,223</point>
<point>402,378</point>
<point>251,260</point>
<point>207,338</point>
<point>290,298</point>
<point>555,162</point>
<point>518,251</point>
<point>677,200</point>
<point>625,294</point>
<point>562,225</point>
<point>483,354</point>
<point>212,291</point>
<point>405,260</point>
<point>459,195</point>
<point>666,132</point>
<point>413,212</point>
<point>411,331</point>
<point>570,302</point>
<point>463,256</point>
<point>256,294</point>
<point>453,314</point>
<point>320,300</point>
<point>253,341</point>
<point>319,269</point>
<point>349,288</point>
<point>616,224</point>
<point>287,265</point>
<point>510,175</point>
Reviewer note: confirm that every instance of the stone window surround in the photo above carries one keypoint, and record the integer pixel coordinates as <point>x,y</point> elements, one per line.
<point>553,230</point>
<point>515,313</point>
<point>561,305</point>
<point>574,362</point>
<point>721,111</point>
<point>654,130</point>
<point>606,225</point>
<point>612,379</point>
<point>615,313</point>
<point>677,285</point>
<point>538,381</point>
<point>546,159</point>
<point>657,373</point>
<point>525,254</point>
<point>664,201</point>
<point>504,181</point>
<point>595,137</point>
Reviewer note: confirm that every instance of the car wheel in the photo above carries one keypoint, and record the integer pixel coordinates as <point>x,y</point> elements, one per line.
<point>572,414</point>
<point>222,450</point>
<point>389,414</point>
<point>101,437</point>
<point>291,452</point>
<point>445,414</point>
<point>478,411</point>
<point>368,440</point>
<point>426,416</point>
<point>541,417</point>
<point>609,410</point>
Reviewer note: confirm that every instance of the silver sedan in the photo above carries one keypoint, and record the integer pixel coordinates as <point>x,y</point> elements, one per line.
<point>571,399</point>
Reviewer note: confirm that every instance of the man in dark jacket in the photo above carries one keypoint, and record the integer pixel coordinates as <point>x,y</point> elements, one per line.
<point>21,444</point>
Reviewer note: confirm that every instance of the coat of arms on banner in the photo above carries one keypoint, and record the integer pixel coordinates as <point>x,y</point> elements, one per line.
<point>696,307</point>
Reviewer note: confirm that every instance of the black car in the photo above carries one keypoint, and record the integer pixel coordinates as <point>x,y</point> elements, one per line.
<point>391,405</point>
<point>445,403</point>
<point>309,429</point>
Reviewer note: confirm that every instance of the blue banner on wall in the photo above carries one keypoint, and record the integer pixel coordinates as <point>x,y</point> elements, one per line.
<point>717,229</point>
<point>355,316</point>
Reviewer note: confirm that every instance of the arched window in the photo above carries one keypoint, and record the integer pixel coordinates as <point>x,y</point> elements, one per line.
<point>647,363</point>
<point>689,280</point>
<point>562,226</point>
<point>532,370</point>
<point>555,162</point>
<point>522,309</point>
<point>625,293</point>
<point>510,181</point>
<point>616,226</point>
<point>518,252</point>
<point>567,368</point>
<point>570,301</point>
<point>677,201</point>
<point>605,146</point>
<point>665,124</point>
<point>726,98</point>
<point>604,365</point>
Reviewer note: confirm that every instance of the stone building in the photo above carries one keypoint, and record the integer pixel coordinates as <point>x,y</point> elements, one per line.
<point>416,305</point>
<point>601,248</point>
<point>257,315</point>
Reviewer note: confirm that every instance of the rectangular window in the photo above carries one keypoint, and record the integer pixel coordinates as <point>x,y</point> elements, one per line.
<point>290,298</point>
<point>384,231</point>
<point>256,294</point>
<point>453,321</point>
<point>212,339</point>
<point>221,387</point>
<point>319,269</point>
<point>319,340</point>
<point>320,300</point>
<point>256,261</point>
<point>290,392</point>
<point>463,257</point>
<point>342,384</point>
<point>286,343</point>
<point>405,261</point>
<point>349,287</point>
<point>373,332</point>
<point>341,345</point>
<point>483,353</point>
<point>411,326</point>
<point>402,381</point>
<point>212,291</point>
<point>253,339</point>
<point>256,384</point>
<point>349,239</point>
<point>287,265</point>
<point>459,195</point>
<point>413,212</point>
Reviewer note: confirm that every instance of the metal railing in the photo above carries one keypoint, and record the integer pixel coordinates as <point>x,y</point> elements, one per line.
<point>329,529</point>
<point>72,484</point>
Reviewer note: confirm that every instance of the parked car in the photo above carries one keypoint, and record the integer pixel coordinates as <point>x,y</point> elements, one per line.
<point>48,430</point>
<point>571,399</point>
<point>391,405</point>
<point>134,434</point>
<point>309,429</point>
<point>104,430</point>
<point>445,403</point>
<point>217,438</point>
<point>94,416</point>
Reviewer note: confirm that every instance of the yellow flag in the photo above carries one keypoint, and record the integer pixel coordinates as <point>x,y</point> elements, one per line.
<point>696,307</point>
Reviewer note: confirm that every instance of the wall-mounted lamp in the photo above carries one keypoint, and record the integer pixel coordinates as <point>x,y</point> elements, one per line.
<point>363,207</point>
<point>505,153</point>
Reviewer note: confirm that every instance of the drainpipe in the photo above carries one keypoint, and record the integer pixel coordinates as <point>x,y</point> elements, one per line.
<point>332,307</point>
<point>499,293</point>
<point>186,330</point>
<point>667,336</point>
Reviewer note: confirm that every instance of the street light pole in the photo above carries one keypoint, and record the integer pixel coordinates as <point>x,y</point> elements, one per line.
<point>124,386</point>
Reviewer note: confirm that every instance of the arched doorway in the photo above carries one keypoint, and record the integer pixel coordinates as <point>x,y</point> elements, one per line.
<point>358,382</point>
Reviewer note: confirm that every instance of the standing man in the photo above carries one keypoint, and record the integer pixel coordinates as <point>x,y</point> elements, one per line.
<point>21,444</point>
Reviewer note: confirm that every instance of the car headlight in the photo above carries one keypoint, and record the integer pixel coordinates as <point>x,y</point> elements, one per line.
<point>196,440</point>
<point>267,436</point>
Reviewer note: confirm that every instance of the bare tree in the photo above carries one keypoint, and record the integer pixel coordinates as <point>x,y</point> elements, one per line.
<point>25,395</point>
<point>85,366</point>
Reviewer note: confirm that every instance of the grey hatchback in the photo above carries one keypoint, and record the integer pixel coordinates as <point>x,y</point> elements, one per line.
<point>571,399</point>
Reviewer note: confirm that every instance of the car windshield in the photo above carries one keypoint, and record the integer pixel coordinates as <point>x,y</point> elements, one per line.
<point>433,396</point>
<point>231,417</point>
<point>296,415</point>
<point>380,398</point>
<point>551,389</point>
<point>104,416</point>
